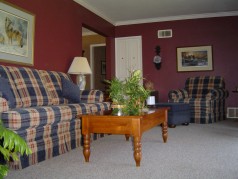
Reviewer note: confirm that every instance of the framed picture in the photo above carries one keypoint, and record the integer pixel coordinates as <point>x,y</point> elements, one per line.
<point>16,34</point>
<point>103,67</point>
<point>194,58</point>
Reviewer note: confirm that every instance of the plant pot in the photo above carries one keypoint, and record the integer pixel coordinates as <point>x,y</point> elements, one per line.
<point>117,110</point>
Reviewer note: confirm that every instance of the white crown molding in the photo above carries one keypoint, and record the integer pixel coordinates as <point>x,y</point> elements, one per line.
<point>173,18</point>
<point>95,11</point>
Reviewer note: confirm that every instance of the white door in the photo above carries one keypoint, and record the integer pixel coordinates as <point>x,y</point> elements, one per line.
<point>128,55</point>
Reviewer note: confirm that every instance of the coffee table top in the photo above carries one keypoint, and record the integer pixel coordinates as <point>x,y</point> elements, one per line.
<point>145,112</point>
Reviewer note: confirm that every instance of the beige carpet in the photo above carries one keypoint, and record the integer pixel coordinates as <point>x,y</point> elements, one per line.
<point>197,151</point>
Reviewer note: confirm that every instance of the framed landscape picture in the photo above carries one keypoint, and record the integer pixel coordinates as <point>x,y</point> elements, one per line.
<point>16,34</point>
<point>194,58</point>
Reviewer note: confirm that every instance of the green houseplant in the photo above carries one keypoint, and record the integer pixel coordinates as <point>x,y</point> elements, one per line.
<point>11,145</point>
<point>128,94</point>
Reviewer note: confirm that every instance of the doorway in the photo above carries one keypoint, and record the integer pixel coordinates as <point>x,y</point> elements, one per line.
<point>98,64</point>
<point>94,49</point>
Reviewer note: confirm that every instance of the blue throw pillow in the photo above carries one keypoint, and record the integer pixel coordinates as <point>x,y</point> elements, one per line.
<point>6,91</point>
<point>70,91</point>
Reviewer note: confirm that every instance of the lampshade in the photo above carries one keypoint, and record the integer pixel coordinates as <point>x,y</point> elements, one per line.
<point>80,66</point>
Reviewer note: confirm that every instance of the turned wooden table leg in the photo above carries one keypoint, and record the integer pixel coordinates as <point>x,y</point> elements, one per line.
<point>165,131</point>
<point>86,147</point>
<point>137,150</point>
<point>127,137</point>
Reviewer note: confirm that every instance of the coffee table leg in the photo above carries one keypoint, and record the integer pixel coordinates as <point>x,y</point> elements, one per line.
<point>137,150</point>
<point>127,137</point>
<point>165,131</point>
<point>86,147</point>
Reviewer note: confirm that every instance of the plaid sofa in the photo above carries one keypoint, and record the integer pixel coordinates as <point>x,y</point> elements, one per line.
<point>206,96</point>
<point>34,108</point>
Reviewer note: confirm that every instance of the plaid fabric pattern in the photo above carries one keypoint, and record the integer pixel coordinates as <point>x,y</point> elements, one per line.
<point>30,87</point>
<point>104,106</point>
<point>24,118</point>
<point>3,105</point>
<point>5,74</point>
<point>199,87</point>
<point>206,97</point>
<point>66,138</point>
<point>53,131</point>
<point>49,130</point>
<point>178,94</point>
<point>52,81</point>
<point>91,96</point>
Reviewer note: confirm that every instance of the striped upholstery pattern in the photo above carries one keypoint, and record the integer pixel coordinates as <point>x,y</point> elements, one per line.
<point>5,74</point>
<point>206,96</point>
<point>95,107</point>
<point>41,116</point>
<point>52,81</point>
<point>51,140</point>
<point>30,87</point>
<point>23,118</point>
<point>91,96</point>
<point>48,130</point>
<point>199,87</point>
<point>3,105</point>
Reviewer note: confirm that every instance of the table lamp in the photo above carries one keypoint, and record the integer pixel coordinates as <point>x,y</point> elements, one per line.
<point>80,67</point>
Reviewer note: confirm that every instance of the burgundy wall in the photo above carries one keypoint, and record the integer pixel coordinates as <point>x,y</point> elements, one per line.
<point>220,33</point>
<point>58,31</point>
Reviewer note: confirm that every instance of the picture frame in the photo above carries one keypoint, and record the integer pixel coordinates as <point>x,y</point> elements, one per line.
<point>197,58</point>
<point>17,28</point>
<point>103,67</point>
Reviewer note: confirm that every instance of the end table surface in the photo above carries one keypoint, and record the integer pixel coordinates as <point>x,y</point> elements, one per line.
<point>126,125</point>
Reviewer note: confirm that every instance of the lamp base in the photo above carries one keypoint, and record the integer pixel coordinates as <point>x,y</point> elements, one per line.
<point>81,81</point>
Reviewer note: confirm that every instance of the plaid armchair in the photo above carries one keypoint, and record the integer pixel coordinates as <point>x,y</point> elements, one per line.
<point>206,96</point>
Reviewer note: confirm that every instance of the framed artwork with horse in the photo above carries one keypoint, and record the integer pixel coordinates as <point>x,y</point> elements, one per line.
<point>16,34</point>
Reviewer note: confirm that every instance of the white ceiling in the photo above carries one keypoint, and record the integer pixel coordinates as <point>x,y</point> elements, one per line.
<point>121,12</point>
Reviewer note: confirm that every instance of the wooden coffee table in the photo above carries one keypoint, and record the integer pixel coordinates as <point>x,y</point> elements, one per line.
<point>127,125</point>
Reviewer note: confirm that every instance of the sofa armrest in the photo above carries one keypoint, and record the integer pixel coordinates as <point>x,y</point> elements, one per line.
<point>3,105</point>
<point>217,94</point>
<point>91,96</point>
<point>178,94</point>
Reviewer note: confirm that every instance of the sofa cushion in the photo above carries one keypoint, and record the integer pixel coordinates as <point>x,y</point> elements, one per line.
<point>4,73</point>
<point>52,81</point>
<point>41,132</point>
<point>24,118</point>
<point>70,91</point>
<point>30,87</point>
<point>5,92</point>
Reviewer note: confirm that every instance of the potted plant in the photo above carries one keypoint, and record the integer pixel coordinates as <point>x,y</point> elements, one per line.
<point>11,145</point>
<point>129,95</point>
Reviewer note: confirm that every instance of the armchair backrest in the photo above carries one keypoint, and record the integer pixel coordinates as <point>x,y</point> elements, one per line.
<point>199,86</point>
